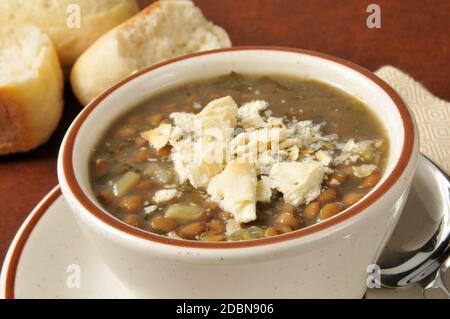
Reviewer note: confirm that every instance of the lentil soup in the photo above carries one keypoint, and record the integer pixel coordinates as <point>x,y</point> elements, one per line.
<point>331,151</point>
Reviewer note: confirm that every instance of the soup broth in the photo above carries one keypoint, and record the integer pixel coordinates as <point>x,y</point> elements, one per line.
<point>339,145</point>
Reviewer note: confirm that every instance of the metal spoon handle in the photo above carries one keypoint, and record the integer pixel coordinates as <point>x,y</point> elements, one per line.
<point>425,265</point>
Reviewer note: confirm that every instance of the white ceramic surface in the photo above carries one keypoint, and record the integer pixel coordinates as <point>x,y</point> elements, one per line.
<point>56,242</point>
<point>54,247</point>
<point>330,263</point>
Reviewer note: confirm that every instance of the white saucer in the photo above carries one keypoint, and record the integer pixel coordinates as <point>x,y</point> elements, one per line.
<point>42,252</point>
<point>49,247</point>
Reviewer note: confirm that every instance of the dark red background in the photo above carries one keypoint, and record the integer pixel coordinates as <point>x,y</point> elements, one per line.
<point>415,37</point>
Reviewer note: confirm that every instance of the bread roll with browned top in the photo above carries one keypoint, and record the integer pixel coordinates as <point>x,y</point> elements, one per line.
<point>72,25</point>
<point>164,30</point>
<point>31,88</point>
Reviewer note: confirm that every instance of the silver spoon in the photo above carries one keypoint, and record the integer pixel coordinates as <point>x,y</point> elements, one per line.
<point>419,249</point>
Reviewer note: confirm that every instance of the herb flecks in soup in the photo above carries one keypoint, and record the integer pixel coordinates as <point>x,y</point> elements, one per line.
<point>239,158</point>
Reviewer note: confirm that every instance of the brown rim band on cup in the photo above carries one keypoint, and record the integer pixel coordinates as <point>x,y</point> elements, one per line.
<point>69,173</point>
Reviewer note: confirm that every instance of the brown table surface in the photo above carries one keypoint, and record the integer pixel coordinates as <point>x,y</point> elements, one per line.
<point>415,37</point>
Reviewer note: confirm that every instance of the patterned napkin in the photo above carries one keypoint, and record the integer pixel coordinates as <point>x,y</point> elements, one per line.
<point>431,113</point>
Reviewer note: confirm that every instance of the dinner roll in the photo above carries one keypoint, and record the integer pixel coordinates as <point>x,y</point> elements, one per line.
<point>59,18</point>
<point>31,88</point>
<point>163,30</point>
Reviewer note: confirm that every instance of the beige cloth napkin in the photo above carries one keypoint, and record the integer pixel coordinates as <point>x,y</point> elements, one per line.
<point>431,113</point>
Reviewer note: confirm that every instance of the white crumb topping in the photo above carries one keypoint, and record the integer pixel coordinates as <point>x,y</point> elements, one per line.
<point>300,182</point>
<point>248,114</point>
<point>158,137</point>
<point>164,195</point>
<point>224,145</point>
<point>150,209</point>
